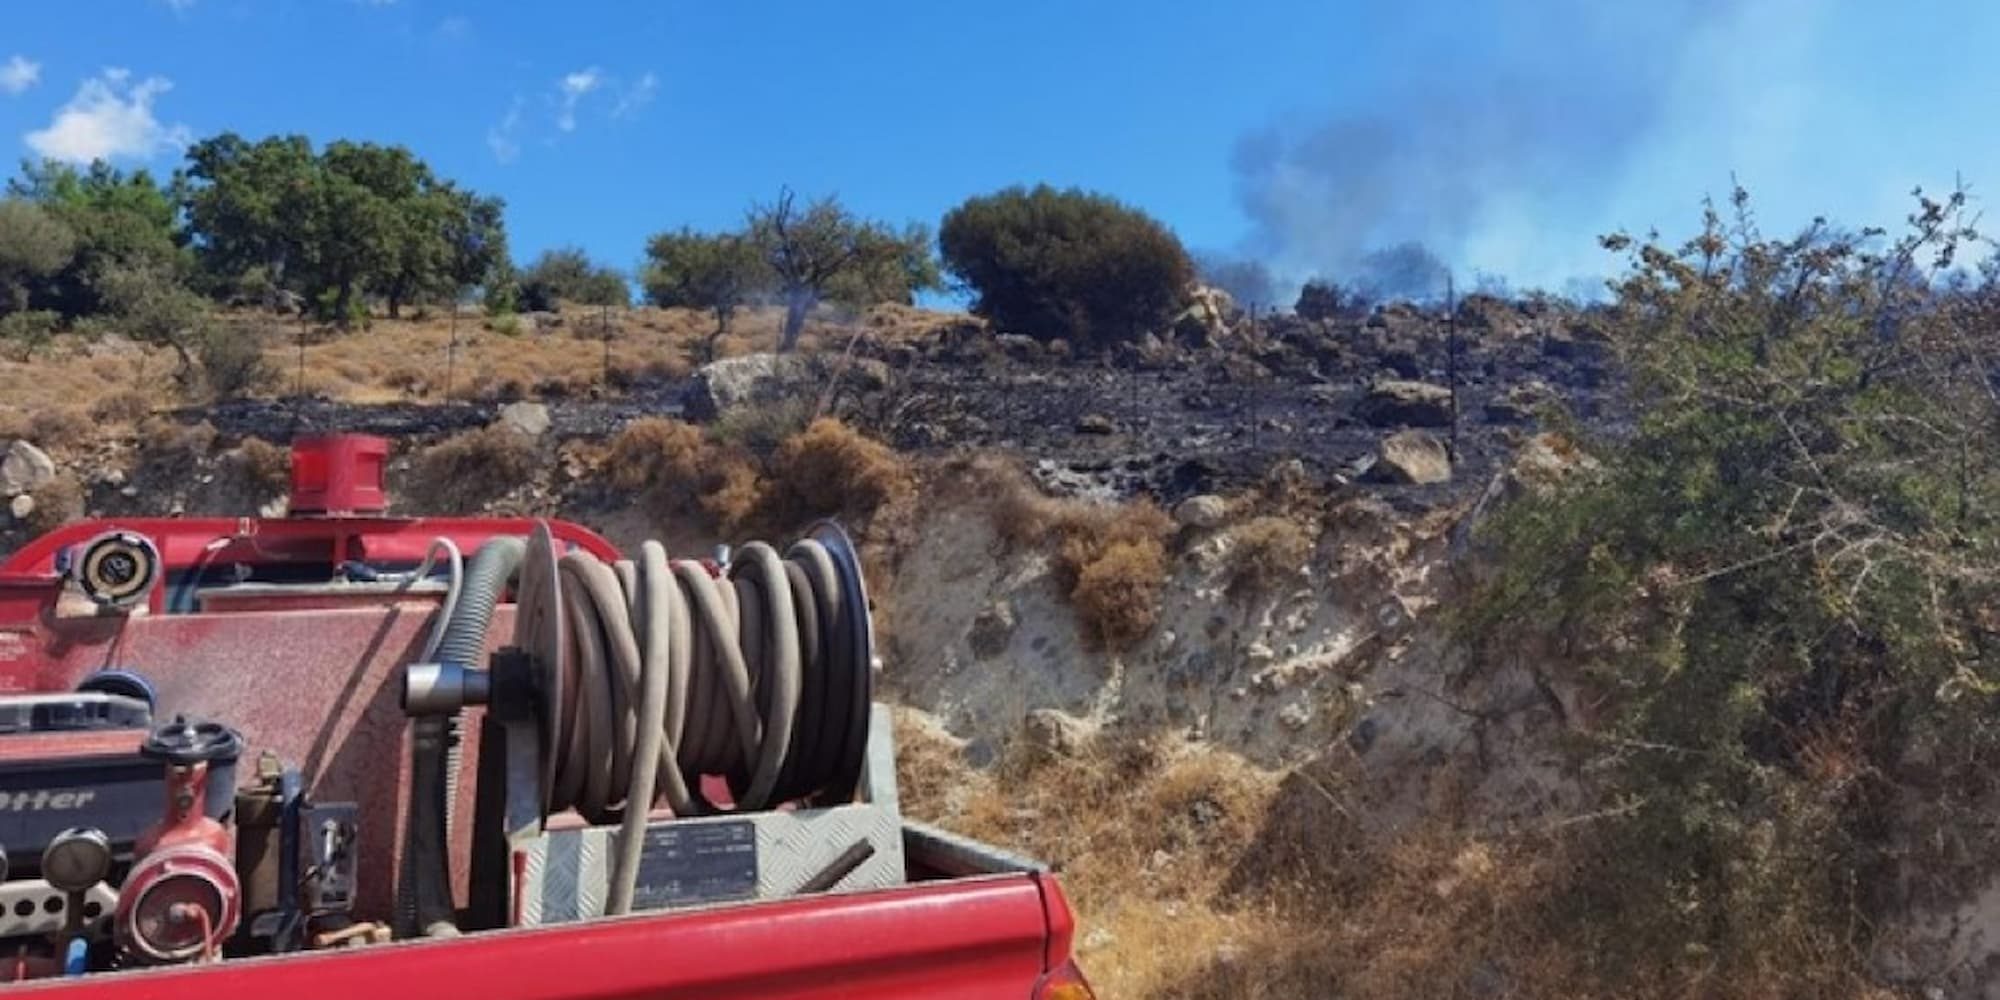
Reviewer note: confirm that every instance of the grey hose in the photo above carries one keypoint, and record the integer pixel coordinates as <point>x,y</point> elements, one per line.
<point>427,905</point>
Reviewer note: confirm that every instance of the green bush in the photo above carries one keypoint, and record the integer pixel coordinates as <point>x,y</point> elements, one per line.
<point>24,333</point>
<point>568,275</point>
<point>1066,264</point>
<point>233,363</point>
<point>1775,594</point>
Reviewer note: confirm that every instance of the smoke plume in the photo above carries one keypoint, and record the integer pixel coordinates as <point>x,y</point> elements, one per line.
<point>1497,123</point>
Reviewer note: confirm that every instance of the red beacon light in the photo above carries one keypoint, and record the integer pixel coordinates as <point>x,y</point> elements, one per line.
<point>339,475</point>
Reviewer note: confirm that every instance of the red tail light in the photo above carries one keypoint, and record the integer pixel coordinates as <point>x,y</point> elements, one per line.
<point>1065,983</point>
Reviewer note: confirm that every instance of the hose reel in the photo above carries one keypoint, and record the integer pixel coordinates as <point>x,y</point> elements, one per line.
<point>759,672</point>
<point>657,681</point>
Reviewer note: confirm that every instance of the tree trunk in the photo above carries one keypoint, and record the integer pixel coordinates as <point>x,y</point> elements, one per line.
<point>343,305</point>
<point>797,304</point>
<point>709,345</point>
<point>395,305</point>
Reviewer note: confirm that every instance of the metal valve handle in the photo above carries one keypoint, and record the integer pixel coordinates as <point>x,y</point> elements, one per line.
<point>182,742</point>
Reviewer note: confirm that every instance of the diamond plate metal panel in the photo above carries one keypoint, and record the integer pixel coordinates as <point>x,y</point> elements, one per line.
<point>567,876</point>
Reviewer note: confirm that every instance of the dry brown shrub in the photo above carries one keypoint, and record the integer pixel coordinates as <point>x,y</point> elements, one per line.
<point>410,380</point>
<point>763,427</point>
<point>502,386</point>
<point>467,472</point>
<point>1266,550</point>
<point>1110,558</point>
<point>1118,579</point>
<point>14,424</point>
<point>60,427</point>
<point>168,446</point>
<point>125,406</point>
<point>831,470</point>
<point>677,469</point>
<point>266,468</point>
<point>57,502</point>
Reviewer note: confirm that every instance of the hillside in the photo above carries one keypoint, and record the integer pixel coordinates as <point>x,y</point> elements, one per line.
<point>1185,618</point>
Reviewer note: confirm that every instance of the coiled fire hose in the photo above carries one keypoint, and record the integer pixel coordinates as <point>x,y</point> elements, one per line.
<point>655,673</point>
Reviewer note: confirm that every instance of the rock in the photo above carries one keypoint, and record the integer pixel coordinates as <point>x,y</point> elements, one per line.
<point>1018,347</point>
<point>1210,314</point>
<point>1519,404</point>
<point>1403,360</point>
<point>21,506</point>
<point>1203,511</point>
<point>1580,342</point>
<point>1051,733</point>
<point>1095,423</point>
<point>529,419</point>
<point>25,468</point>
<point>992,630</point>
<point>761,379</point>
<point>1404,403</point>
<point>1296,716</point>
<point>1411,458</point>
<point>722,386</point>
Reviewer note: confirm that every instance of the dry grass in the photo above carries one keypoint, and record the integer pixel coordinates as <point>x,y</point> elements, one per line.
<point>413,358</point>
<point>1144,831</point>
<point>126,407</point>
<point>1199,876</point>
<point>1110,558</point>
<point>470,471</point>
<point>74,371</point>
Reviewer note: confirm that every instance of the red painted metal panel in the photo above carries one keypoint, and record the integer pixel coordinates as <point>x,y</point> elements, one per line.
<point>28,578</point>
<point>967,940</point>
<point>320,688</point>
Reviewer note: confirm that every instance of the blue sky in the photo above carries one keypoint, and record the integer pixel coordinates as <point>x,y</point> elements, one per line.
<point>1505,135</point>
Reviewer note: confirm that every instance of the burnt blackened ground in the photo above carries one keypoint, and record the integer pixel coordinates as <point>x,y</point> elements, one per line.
<point>1175,421</point>
<point>1164,419</point>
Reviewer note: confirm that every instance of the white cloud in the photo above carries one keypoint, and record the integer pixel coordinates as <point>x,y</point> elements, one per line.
<point>571,91</point>
<point>636,96</point>
<point>109,118</point>
<point>504,138</point>
<point>455,27</point>
<point>19,74</point>
<point>179,4</point>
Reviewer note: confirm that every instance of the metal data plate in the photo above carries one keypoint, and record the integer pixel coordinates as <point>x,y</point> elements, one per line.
<point>770,855</point>
<point>711,863</point>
